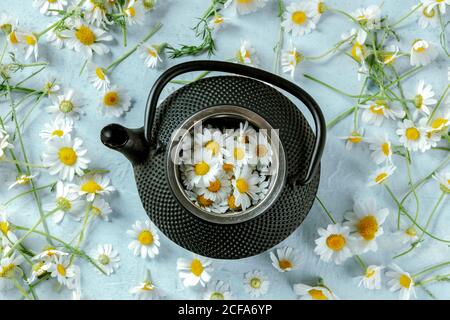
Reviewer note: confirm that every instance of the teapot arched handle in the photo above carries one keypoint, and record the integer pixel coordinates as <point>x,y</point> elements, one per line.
<point>258,74</point>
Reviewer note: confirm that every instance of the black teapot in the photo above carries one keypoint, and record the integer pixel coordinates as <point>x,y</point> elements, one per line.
<point>248,95</point>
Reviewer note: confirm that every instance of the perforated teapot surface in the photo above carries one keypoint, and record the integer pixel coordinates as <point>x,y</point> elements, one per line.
<point>246,97</point>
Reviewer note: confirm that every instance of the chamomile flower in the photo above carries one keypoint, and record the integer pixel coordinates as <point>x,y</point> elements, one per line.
<point>355,137</point>
<point>412,136</point>
<point>145,241</point>
<point>55,38</point>
<point>217,22</point>
<point>101,208</point>
<point>334,243</point>
<point>247,54</point>
<point>218,290</point>
<point>245,6</point>
<point>371,279</point>
<point>203,171</point>
<point>66,157</point>
<point>146,290</point>
<point>13,39</point>
<point>30,42</point>
<point>365,223</point>
<point>93,185</point>
<point>98,77</point>
<point>149,4</point>
<point>107,258</point>
<point>47,6</point>
<point>376,111</point>
<point>423,98</point>
<point>63,270</point>
<point>439,124</point>
<point>256,283</point>
<point>95,12</point>
<point>194,271</point>
<point>427,16</point>
<point>65,106</point>
<point>66,201</point>
<point>438,4</point>
<point>58,128</point>
<point>7,235</point>
<point>306,292</point>
<point>51,86</point>
<point>444,180</point>
<point>238,153</point>
<point>422,53</point>
<point>9,271</point>
<point>114,102</point>
<point>400,281</point>
<point>245,186</point>
<point>369,17</point>
<point>390,54</point>
<point>262,150</point>
<point>135,13</point>
<point>212,141</point>
<point>381,149</point>
<point>357,40</point>
<point>217,190</point>
<point>381,175</point>
<point>199,199</point>
<point>38,269</point>
<point>7,23</point>
<point>285,259</point>
<point>4,143</point>
<point>407,236</point>
<point>85,38</point>
<point>49,254</point>
<point>150,54</point>
<point>290,59</point>
<point>22,180</point>
<point>299,18</point>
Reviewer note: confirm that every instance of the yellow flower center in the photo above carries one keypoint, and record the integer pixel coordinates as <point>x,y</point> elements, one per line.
<point>145,237</point>
<point>91,187</point>
<point>148,286</point>
<point>336,242</point>
<point>411,232</point>
<point>201,168</point>
<point>228,167</point>
<point>61,269</point>
<point>238,153</point>
<point>4,227</point>
<point>196,267</point>
<point>261,150</point>
<point>428,12</point>
<point>216,296</point>
<point>218,20</point>
<point>214,186</point>
<point>355,138</point>
<point>439,123</point>
<point>381,177</point>
<point>388,58</point>
<point>231,202</point>
<point>23,179</point>
<point>285,264</point>
<point>131,12</point>
<point>418,101</point>
<point>378,110</point>
<point>357,51</point>
<point>255,283</point>
<point>99,73</point>
<point>368,227</point>
<point>111,99</point>
<point>30,40</point>
<point>405,281</point>
<point>299,17</point>
<point>13,38</point>
<point>96,211</point>
<point>419,48</point>
<point>370,273</point>
<point>85,35</point>
<point>104,259</point>
<point>242,185</point>
<point>321,7</point>
<point>203,201</point>
<point>67,156</point>
<point>245,1</point>
<point>63,204</point>
<point>412,134</point>
<point>213,146</point>
<point>385,148</point>
<point>52,1</point>
<point>7,271</point>
<point>58,133</point>
<point>152,53</point>
<point>66,106</point>
<point>317,294</point>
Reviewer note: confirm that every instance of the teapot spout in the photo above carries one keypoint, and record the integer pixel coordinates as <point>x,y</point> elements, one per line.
<point>130,142</point>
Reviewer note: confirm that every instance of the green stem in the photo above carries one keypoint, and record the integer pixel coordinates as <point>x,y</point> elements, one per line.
<point>406,16</point>
<point>21,289</point>
<point>433,112</point>
<point>432,268</point>
<point>410,182</point>
<point>341,116</point>
<point>51,185</point>
<point>31,165</point>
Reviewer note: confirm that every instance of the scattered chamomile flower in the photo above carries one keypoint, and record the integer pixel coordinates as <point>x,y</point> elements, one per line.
<point>245,134</point>
<point>422,53</point>
<point>247,54</point>
<point>30,42</point>
<point>401,281</point>
<point>412,136</point>
<point>381,149</point>
<point>145,241</point>
<point>13,39</point>
<point>220,206</point>
<point>371,279</point>
<point>151,54</point>
<point>427,16</point>
<point>38,269</point>
<point>66,157</point>
<point>369,17</point>
<point>101,208</point>
<point>66,201</point>
<point>439,4</point>
<point>245,7</point>
<point>4,143</point>
<point>290,59</point>
<point>65,106</point>
<point>440,122</point>
<point>49,254</point>
<point>202,172</point>
<point>218,290</point>
<point>381,175</point>
<point>286,259</point>
<point>63,270</point>
<point>334,243</point>
<point>390,55</point>
<point>256,283</point>
<point>355,137</point>
<point>245,186</point>
<point>93,185</point>
<point>365,223</point>
<point>114,102</point>
<point>212,141</point>
<point>217,190</point>
<point>320,8</point>
<point>7,235</point>
<point>9,270</point>
<point>7,23</point>
<point>149,4</point>
<point>22,180</point>
<point>194,271</point>
<point>58,128</point>
<point>217,22</point>
<point>51,87</point>
<point>423,98</point>
<point>306,292</point>
<point>261,150</point>
<point>375,112</point>
<point>55,38</point>
<point>95,12</point>
<point>238,155</point>
<point>98,78</point>
<point>107,257</point>
<point>85,38</point>
<point>407,236</point>
<point>443,178</point>
<point>146,290</point>
<point>135,13</point>
<point>50,7</point>
<point>299,18</point>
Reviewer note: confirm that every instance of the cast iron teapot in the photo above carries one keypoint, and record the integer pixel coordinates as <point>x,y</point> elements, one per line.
<point>247,95</point>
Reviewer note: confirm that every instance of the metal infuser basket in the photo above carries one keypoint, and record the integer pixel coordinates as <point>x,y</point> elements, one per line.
<point>225,100</point>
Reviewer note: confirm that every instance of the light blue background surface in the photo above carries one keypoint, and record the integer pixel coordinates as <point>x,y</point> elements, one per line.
<point>344,174</point>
